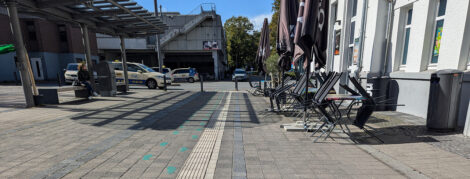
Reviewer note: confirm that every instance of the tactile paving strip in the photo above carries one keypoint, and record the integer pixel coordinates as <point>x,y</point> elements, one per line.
<point>202,161</point>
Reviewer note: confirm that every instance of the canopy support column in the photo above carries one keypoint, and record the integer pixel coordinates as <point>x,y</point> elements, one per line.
<point>124,62</point>
<point>157,49</point>
<point>89,61</point>
<point>21,53</point>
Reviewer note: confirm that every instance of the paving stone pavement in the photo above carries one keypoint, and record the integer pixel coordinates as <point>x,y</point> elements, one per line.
<point>152,134</point>
<point>437,155</point>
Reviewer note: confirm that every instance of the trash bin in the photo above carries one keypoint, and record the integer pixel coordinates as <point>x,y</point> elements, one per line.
<point>377,87</point>
<point>106,79</point>
<point>464,99</point>
<point>444,98</point>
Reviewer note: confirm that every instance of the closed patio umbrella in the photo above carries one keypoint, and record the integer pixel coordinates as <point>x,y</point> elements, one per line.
<point>264,50</point>
<point>286,32</point>
<point>311,36</point>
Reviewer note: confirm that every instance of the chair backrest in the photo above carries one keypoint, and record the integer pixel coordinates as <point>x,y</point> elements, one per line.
<point>368,107</point>
<point>360,89</point>
<point>322,88</point>
<point>347,88</point>
<point>300,84</point>
<point>327,87</point>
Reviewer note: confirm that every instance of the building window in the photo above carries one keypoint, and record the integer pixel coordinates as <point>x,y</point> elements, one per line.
<point>352,33</point>
<point>409,17</point>
<point>439,26</point>
<point>31,30</point>
<point>351,43</point>
<point>62,33</point>
<point>354,10</point>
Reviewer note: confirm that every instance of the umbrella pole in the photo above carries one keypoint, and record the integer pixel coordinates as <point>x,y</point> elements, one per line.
<point>306,96</point>
<point>283,78</point>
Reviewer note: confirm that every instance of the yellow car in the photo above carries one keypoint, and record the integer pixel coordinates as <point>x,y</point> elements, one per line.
<point>139,74</point>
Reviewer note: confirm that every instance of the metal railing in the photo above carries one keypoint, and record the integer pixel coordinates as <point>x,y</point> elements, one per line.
<point>204,7</point>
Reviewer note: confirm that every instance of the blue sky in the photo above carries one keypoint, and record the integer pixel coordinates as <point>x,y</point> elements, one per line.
<point>255,10</point>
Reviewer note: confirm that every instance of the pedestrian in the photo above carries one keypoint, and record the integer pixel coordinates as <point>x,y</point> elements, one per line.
<point>84,78</point>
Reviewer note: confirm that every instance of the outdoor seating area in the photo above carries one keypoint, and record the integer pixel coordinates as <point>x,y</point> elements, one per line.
<point>318,107</point>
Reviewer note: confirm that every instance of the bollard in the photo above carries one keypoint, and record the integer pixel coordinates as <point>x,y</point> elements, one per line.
<point>164,83</point>
<point>201,79</point>
<point>16,78</point>
<point>265,88</point>
<point>236,84</point>
<point>58,79</point>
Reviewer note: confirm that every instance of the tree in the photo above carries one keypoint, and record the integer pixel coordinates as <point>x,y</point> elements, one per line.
<point>241,42</point>
<point>273,26</point>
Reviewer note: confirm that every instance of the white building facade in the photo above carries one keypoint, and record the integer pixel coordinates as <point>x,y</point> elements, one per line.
<point>395,45</point>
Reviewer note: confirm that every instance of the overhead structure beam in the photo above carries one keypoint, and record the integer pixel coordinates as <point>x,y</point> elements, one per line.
<point>98,14</point>
<point>123,18</point>
<point>56,3</point>
<point>132,13</point>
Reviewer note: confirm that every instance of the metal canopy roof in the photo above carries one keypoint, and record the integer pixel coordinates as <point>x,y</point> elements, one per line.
<point>112,17</point>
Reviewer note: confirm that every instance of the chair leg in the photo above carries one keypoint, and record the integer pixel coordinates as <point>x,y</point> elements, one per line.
<point>332,127</point>
<point>372,135</point>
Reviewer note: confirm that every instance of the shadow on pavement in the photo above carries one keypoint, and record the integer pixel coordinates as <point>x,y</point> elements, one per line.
<point>149,113</point>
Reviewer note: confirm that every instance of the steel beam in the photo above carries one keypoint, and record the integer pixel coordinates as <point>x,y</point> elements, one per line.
<point>124,62</point>
<point>21,53</point>
<point>89,61</point>
<point>132,13</point>
<point>56,3</point>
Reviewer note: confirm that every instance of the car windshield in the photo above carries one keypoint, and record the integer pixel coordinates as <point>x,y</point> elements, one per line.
<point>240,72</point>
<point>72,67</point>
<point>146,68</point>
<point>166,70</point>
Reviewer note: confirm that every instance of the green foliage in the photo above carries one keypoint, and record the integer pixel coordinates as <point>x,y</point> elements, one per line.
<point>242,42</point>
<point>291,74</point>
<point>273,26</point>
<point>271,64</point>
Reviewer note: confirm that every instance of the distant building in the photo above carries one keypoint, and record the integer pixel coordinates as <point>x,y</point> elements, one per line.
<point>425,36</point>
<point>195,40</point>
<point>51,46</point>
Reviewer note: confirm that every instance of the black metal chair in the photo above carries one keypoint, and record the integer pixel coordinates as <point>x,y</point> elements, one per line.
<point>321,106</point>
<point>255,88</point>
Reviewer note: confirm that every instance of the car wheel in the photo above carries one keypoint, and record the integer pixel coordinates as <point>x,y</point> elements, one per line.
<point>152,84</point>
<point>191,80</point>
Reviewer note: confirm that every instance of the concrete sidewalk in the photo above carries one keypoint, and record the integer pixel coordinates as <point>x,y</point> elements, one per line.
<point>183,134</point>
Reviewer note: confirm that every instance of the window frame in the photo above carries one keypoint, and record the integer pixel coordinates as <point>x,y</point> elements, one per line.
<point>406,26</point>
<point>352,32</point>
<point>436,19</point>
<point>468,60</point>
<point>130,66</point>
